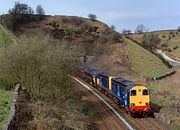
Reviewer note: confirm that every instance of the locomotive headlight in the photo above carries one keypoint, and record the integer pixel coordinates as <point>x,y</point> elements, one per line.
<point>147,103</point>
<point>132,104</point>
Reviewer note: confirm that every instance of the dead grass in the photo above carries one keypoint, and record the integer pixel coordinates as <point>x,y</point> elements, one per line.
<point>65,116</point>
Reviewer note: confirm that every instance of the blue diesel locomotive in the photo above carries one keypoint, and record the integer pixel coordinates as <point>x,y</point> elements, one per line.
<point>132,96</point>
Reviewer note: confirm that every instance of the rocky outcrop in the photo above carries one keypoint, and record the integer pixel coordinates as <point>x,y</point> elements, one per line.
<point>162,118</point>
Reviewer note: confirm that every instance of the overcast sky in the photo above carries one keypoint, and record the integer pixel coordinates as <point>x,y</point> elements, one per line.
<point>124,14</point>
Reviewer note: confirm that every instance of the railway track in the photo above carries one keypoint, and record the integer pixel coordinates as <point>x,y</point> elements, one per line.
<point>109,120</point>
<point>136,123</point>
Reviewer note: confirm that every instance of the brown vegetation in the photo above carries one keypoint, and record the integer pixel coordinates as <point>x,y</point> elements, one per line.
<point>40,65</point>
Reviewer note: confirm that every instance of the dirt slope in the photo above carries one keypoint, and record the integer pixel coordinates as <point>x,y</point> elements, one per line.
<point>114,61</point>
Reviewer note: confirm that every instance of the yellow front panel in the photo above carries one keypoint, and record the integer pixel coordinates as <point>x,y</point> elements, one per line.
<point>139,99</point>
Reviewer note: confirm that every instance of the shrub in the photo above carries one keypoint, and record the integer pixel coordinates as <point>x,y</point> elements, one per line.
<point>151,40</point>
<point>169,37</point>
<point>163,36</point>
<point>169,50</point>
<point>84,27</point>
<point>40,65</point>
<point>6,85</point>
<point>77,20</point>
<point>171,33</point>
<point>175,48</point>
<point>103,39</point>
<point>164,45</point>
<point>89,39</point>
<point>115,37</point>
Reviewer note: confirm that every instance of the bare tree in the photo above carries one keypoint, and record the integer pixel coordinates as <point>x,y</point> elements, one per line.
<point>140,29</point>
<point>92,16</point>
<point>178,29</point>
<point>40,10</point>
<point>113,27</point>
<point>21,8</point>
<point>126,31</point>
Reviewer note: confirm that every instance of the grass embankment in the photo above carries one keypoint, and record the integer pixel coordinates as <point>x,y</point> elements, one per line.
<point>42,65</point>
<point>166,93</point>
<point>143,62</point>
<point>5,101</point>
<point>5,37</point>
<point>172,44</point>
<point>5,96</point>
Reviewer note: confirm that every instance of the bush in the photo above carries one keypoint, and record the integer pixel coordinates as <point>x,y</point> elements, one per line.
<point>103,39</point>
<point>115,37</point>
<point>175,48</point>
<point>89,39</point>
<point>40,65</point>
<point>164,45</point>
<point>83,28</point>
<point>171,33</point>
<point>169,50</point>
<point>6,85</point>
<point>163,36</point>
<point>151,40</point>
<point>77,20</point>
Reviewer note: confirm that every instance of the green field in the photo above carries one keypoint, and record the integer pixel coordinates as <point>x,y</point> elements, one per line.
<point>5,101</point>
<point>5,96</point>
<point>143,62</point>
<point>164,32</point>
<point>5,37</point>
<point>175,41</point>
<point>172,44</point>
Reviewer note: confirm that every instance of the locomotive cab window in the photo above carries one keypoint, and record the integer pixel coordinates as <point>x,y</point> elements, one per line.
<point>133,92</point>
<point>145,92</point>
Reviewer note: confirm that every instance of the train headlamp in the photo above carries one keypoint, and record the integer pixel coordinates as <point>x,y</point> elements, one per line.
<point>147,103</point>
<point>132,104</point>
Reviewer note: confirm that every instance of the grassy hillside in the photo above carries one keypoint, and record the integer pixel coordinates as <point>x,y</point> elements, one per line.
<point>5,100</point>
<point>169,37</point>
<point>167,93</point>
<point>144,62</point>
<point>172,38</point>
<point>5,37</point>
